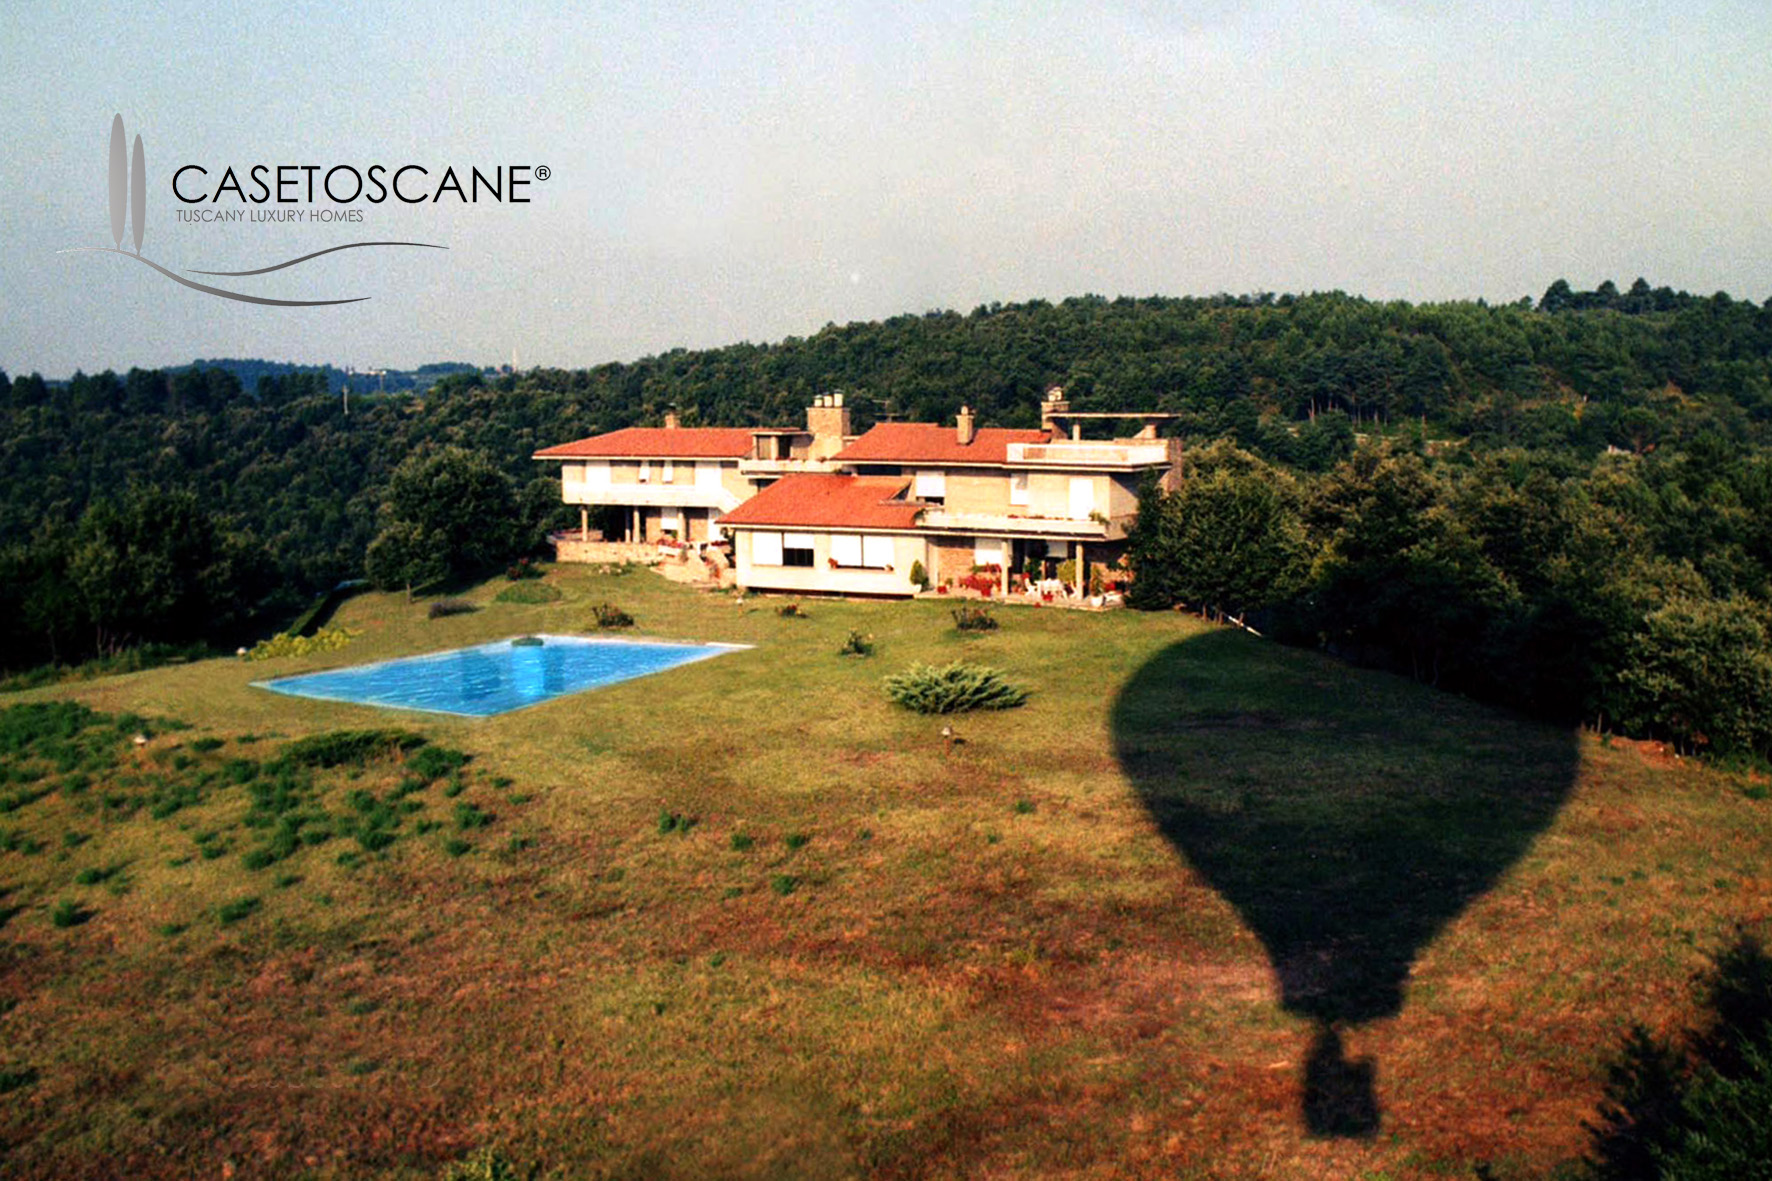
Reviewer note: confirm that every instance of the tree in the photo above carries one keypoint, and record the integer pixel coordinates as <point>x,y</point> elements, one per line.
<point>1228,540</point>
<point>451,506</point>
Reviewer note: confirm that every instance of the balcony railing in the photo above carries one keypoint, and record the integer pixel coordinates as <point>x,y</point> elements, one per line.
<point>1069,454</point>
<point>783,467</point>
<point>994,523</point>
<point>686,495</point>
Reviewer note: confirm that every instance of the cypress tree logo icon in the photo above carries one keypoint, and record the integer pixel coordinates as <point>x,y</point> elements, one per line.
<point>129,201</point>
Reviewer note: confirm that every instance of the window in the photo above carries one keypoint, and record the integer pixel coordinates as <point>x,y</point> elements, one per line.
<point>665,474</point>
<point>932,486</point>
<point>796,549</point>
<point>1018,487</point>
<point>861,552</point>
<point>987,551</point>
<point>846,549</point>
<point>645,470</point>
<point>671,521</point>
<point>1082,497</point>
<point>766,549</point>
<point>572,473</point>
<point>707,477</point>
<point>597,474</point>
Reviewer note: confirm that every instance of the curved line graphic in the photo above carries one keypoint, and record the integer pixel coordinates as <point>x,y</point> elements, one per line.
<point>304,258</point>
<point>207,290</point>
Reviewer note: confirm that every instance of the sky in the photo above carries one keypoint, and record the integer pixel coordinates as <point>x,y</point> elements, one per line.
<point>727,172</point>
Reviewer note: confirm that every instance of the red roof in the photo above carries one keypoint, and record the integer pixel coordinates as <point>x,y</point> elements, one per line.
<point>922,442</point>
<point>684,442</point>
<point>832,502</point>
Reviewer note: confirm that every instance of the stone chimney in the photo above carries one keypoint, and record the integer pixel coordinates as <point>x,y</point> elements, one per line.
<point>828,421</point>
<point>966,425</point>
<point>672,422</point>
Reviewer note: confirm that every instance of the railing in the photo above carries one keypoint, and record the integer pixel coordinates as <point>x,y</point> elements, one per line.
<point>653,495</point>
<point>782,467</point>
<point>996,523</point>
<point>1064,454</point>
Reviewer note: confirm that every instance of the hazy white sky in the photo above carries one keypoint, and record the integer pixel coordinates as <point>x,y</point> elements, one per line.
<point>727,172</point>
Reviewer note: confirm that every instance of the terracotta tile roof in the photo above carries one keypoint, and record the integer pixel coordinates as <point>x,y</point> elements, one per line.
<point>687,442</point>
<point>921,442</point>
<point>831,502</point>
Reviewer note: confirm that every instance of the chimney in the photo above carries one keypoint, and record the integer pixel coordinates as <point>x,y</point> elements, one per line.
<point>828,421</point>
<point>1052,411</point>
<point>966,425</point>
<point>671,420</point>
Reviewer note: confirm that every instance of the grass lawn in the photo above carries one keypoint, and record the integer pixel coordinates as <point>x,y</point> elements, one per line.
<point>1203,906</point>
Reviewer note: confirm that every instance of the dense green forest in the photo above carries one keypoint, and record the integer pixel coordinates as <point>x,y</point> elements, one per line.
<point>1564,506</point>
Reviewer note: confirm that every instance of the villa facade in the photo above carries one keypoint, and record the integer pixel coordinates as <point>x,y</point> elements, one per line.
<point>820,510</point>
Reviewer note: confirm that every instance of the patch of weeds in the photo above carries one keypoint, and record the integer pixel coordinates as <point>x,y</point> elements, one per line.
<point>285,880</point>
<point>256,859</point>
<point>171,930</point>
<point>17,1078</point>
<point>856,644</point>
<point>784,884</point>
<point>92,875</point>
<point>797,840</point>
<point>609,615</point>
<point>18,841</point>
<point>238,909</point>
<point>73,840</point>
<point>240,770</point>
<point>501,781</point>
<point>486,1164</point>
<point>433,762</point>
<point>454,787</point>
<point>1024,807</point>
<point>733,892</point>
<point>362,1007</point>
<point>471,816</point>
<point>969,618</point>
<point>206,744</point>
<point>75,784</point>
<point>339,748</point>
<point>530,594</point>
<point>615,874</point>
<point>427,825</point>
<point>715,960</point>
<point>521,798</point>
<point>361,1066</point>
<point>793,611</point>
<point>348,859</point>
<point>443,608</point>
<point>457,847</point>
<point>68,913</point>
<point>517,845</point>
<point>669,822</point>
<point>742,842</point>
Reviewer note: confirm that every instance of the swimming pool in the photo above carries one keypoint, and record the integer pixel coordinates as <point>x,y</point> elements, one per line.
<point>495,678</point>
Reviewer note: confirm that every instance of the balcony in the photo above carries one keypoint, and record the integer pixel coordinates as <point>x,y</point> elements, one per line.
<point>1068,454</point>
<point>993,524</point>
<point>784,467</point>
<point>650,495</point>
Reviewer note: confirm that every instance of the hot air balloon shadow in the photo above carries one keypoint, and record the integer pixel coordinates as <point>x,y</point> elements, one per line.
<point>1347,815</point>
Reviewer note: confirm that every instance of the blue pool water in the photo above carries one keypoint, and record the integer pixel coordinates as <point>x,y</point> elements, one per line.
<point>497,677</point>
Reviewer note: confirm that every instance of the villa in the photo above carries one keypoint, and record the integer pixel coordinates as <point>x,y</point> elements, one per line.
<point>824,511</point>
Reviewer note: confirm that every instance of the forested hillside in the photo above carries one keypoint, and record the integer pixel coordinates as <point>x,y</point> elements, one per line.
<point>1573,471</point>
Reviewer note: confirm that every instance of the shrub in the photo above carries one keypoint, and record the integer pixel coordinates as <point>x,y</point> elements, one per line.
<point>206,744</point>
<point>523,568</point>
<point>974,619</point>
<point>784,884</point>
<point>954,688</point>
<point>444,607</point>
<point>669,822</point>
<point>486,1164</point>
<point>456,847</point>
<point>857,645</point>
<point>798,840</point>
<point>742,842</point>
<point>919,576</point>
<point>531,593</point>
<point>609,615</point>
<point>240,908</point>
<point>327,639</point>
<point>792,611</point>
<point>470,816</point>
